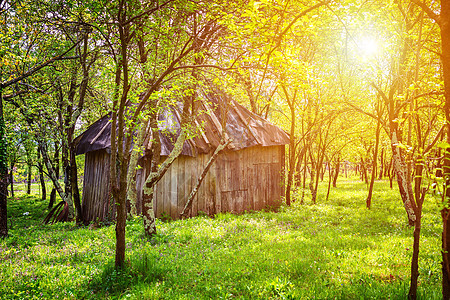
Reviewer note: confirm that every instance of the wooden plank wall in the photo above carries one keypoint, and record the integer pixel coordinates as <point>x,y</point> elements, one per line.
<point>239,181</point>
<point>95,200</point>
<point>245,180</point>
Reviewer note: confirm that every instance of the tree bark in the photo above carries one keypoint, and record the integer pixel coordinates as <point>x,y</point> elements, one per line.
<point>147,198</point>
<point>51,172</point>
<point>131,176</point>
<point>291,104</point>
<point>374,166</point>
<point>419,195</point>
<point>337,167</point>
<point>380,175</point>
<point>11,178</point>
<point>56,168</point>
<point>29,171</point>
<point>41,176</point>
<point>311,183</point>
<point>3,174</point>
<point>404,184</point>
<point>330,179</point>
<point>74,186</point>
<point>445,58</point>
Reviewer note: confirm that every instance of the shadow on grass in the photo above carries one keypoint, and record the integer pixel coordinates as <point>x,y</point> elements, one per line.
<point>142,268</point>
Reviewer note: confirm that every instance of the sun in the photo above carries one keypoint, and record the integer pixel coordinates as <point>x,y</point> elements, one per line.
<point>368,46</point>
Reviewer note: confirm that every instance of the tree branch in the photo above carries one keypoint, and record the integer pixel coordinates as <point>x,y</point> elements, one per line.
<point>37,68</point>
<point>428,11</point>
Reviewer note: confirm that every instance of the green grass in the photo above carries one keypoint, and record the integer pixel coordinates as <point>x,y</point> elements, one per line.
<point>333,250</point>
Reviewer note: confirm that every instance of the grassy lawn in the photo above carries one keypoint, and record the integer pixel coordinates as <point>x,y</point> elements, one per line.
<point>333,250</point>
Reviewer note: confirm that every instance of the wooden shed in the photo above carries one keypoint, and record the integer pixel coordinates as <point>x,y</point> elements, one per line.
<point>247,176</point>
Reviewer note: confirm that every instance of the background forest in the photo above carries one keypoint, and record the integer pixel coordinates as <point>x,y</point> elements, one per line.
<point>361,86</point>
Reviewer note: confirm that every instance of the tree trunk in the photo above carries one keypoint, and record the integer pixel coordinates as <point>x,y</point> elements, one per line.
<point>305,171</point>
<point>445,58</point>
<point>51,172</point>
<point>337,167</point>
<point>404,184</point>
<point>41,176</point>
<point>374,166</point>
<point>330,179</point>
<point>291,145</point>
<point>298,169</point>
<point>29,165</point>
<point>147,198</point>
<point>318,176</point>
<point>311,183</point>
<point>131,176</point>
<point>74,186</point>
<point>3,174</point>
<point>364,171</point>
<point>56,168</point>
<point>11,178</point>
<point>380,175</point>
<point>419,195</point>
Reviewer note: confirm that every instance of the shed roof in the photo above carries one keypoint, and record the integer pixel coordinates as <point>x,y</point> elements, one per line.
<point>245,128</point>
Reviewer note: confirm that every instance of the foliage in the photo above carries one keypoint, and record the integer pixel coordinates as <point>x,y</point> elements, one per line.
<point>335,249</point>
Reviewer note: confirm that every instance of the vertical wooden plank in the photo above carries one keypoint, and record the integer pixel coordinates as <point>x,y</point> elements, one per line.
<point>283,171</point>
<point>212,189</point>
<point>181,185</point>
<point>84,196</point>
<point>201,192</point>
<point>219,181</point>
<point>98,199</point>
<point>207,188</point>
<point>188,178</point>
<point>234,181</point>
<point>165,189</point>
<point>193,166</point>
<point>159,200</point>
<point>173,189</point>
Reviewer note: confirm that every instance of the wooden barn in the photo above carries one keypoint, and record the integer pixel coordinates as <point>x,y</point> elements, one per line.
<point>247,175</point>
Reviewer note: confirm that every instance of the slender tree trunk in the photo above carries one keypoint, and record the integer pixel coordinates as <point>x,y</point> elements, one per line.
<point>74,186</point>
<point>305,171</point>
<point>41,176</point>
<point>374,167</point>
<point>380,175</point>
<point>318,176</point>
<point>131,176</point>
<point>291,145</point>
<point>3,174</point>
<point>330,179</point>
<point>56,168</point>
<point>404,184</point>
<point>67,172</point>
<point>364,171</point>
<point>311,183</point>
<point>336,172</point>
<point>152,179</point>
<point>148,211</point>
<point>419,195</point>
<point>11,178</point>
<point>51,172</point>
<point>298,169</point>
<point>29,173</point>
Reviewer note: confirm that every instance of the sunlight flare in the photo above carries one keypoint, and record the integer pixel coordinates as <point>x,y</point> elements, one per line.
<point>368,46</point>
